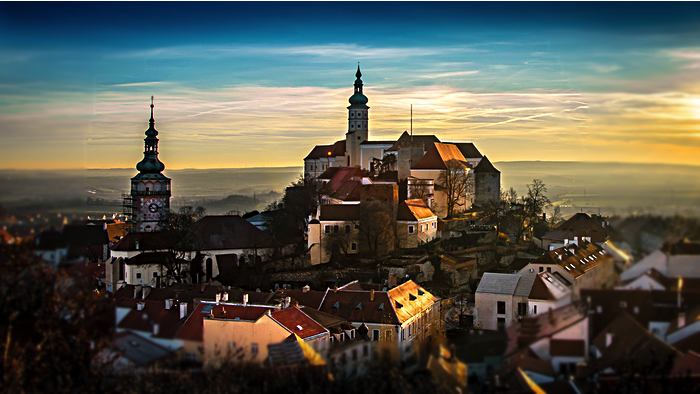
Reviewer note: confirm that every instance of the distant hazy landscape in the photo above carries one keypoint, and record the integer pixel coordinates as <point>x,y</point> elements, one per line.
<point>612,188</point>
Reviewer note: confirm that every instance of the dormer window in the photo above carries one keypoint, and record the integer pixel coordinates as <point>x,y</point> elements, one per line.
<point>359,306</point>
<point>336,305</point>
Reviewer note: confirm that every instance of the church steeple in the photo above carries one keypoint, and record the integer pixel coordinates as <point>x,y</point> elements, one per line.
<point>150,189</point>
<point>358,119</point>
<point>150,163</point>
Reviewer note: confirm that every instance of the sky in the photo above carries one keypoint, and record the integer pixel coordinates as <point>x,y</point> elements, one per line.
<point>259,84</point>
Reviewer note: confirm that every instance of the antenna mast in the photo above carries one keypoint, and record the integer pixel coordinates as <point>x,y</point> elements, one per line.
<point>411,122</point>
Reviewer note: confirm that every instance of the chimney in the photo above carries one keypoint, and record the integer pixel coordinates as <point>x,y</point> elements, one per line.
<point>137,245</point>
<point>218,298</point>
<point>137,290</point>
<point>224,297</point>
<point>371,296</point>
<point>245,299</point>
<point>169,304</point>
<point>287,302</point>
<point>575,241</point>
<point>608,339</point>
<point>335,289</point>
<point>140,306</point>
<point>306,288</point>
<point>183,310</point>
<point>681,319</point>
<point>566,241</point>
<point>145,292</point>
<point>156,328</point>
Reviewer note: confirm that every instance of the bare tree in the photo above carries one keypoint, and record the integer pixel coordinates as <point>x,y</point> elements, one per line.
<point>176,227</point>
<point>454,179</point>
<point>377,228</point>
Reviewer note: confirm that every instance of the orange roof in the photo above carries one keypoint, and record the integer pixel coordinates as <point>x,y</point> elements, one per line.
<point>319,151</point>
<point>298,322</point>
<point>414,210</point>
<point>115,231</point>
<point>439,154</point>
<point>409,299</point>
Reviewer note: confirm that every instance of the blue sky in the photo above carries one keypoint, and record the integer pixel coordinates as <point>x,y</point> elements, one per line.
<point>258,84</point>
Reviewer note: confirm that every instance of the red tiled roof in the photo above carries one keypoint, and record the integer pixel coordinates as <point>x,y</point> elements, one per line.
<point>319,151</point>
<point>355,306</point>
<point>298,322</point>
<point>575,259</point>
<point>439,154</point>
<point>345,178</point>
<point>310,298</point>
<point>154,312</point>
<point>533,328</point>
<point>329,173</point>
<point>414,210</point>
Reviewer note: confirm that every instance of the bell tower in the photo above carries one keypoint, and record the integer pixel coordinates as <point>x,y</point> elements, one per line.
<point>150,189</point>
<point>358,123</point>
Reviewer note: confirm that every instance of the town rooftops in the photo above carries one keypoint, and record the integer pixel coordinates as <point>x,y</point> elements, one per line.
<point>438,155</point>
<point>139,350</point>
<point>533,328</point>
<point>626,342</point>
<point>321,151</point>
<point>310,298</point>
<point>575,259</point>
<point>414,210</point>
<point>580,225</point>
<point>153,313</point>
<point>683,247</point>
<point>548,287</point>
<point>236,312</point>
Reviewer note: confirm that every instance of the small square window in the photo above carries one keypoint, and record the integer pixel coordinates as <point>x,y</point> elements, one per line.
<point>353,246</point>
<point>541,269</point>
<point>336,229</point>
<point>501,307</point>
<point>155,274</point>
<point>138,275</point>
<point>411,229</point>
<point>327,229</point>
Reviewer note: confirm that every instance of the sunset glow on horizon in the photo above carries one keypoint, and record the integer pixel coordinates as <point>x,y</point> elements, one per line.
<point>258,89</point>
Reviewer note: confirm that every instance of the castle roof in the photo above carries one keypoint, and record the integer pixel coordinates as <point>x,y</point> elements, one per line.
<point>319,151</point>
<point>468,149</point>
<point>579,225</point>
<point>485,167</point>
<point>425,140</point>
<point>438,155</point>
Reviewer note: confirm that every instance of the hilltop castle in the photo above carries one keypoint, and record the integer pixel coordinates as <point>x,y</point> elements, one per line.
<point>417,160</point>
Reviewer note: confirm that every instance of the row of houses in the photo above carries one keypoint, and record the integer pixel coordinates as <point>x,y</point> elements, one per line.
<point>209,324</point>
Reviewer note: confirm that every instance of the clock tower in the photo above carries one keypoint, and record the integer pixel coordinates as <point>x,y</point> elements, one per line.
<point>150,189</point>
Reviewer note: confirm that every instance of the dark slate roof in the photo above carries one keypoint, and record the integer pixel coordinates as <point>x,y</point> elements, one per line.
<point>493,283</point>
<point>147,241</point>
<point>632,345</point>
<point>468,149</point>
<point>580,225</point>
<point>485,167</point>
<point>319,151</point>
<point>139,350</point>
<point>226,232</point>
<point>310,298</point>
<point>425,140</point>
<point>340,212</point>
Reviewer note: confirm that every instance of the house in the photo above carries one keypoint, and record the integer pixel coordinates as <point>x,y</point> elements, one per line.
<point>156,321</point>
<point>159,245</point>
<point>416,223</point>
<point>401,315</point>
<point>547,292</point>
<point>243,332</point>
<point>680,259</point>
<point>625,345</point>
<point>559,336</point>
<point>336,228</point>
<point>502,299</point>
<point>580,226</point>
<point>580,265</point>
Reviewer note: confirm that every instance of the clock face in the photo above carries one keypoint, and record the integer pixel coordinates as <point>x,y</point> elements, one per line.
<point>152,206</point>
